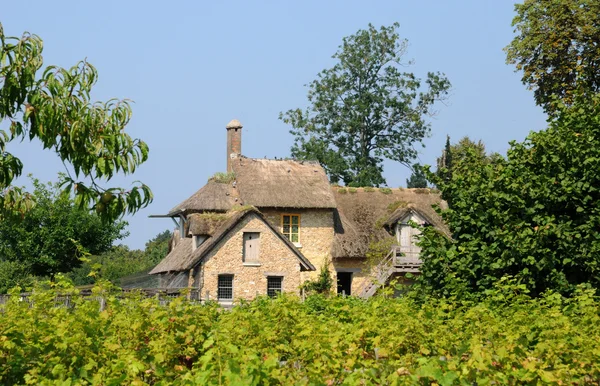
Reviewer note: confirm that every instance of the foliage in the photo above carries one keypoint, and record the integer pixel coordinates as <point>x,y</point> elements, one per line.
<point>120,261</point>
<point>13,274</point>
<point>385,190</point>
<point>47,240</point>
<point>507,338</point>
<point>379,250</point>
<point>459,152</point>
<point>533,215</point>
<point>55,108</point>
<point>158,247</point>
<point>223,178</point>
<point>322,284</point>
<point>557,49</point>
<point>365,109</point>
<point>417,179</point>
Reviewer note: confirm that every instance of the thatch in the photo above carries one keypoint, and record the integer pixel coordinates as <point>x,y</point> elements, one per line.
<point>182,258</point>
<point>361,217</point>
<point>205,223</point>
<point>180,252</point>
<point>282,183</point>
<point>214,196</point>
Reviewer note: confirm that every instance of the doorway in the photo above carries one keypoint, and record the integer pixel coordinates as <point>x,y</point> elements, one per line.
<point>344,283</point>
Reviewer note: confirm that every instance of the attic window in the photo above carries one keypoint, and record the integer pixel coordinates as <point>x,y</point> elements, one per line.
<point>291,227</point>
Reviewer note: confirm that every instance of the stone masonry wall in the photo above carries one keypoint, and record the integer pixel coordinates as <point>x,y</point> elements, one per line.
<point>275,259</point>
<point>315,237</point>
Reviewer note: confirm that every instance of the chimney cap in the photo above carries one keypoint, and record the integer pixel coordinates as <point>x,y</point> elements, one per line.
<point>234,124</point>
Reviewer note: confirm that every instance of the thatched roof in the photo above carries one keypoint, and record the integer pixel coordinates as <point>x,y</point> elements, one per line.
<point>264,183</point>
<point>282,183</point>
<point>362,215</point>
<point>183,258</point>
<point>205,223</point>
<point>214,196</point>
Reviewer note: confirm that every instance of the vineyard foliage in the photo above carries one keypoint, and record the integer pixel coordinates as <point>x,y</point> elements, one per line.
<point>507,338</point>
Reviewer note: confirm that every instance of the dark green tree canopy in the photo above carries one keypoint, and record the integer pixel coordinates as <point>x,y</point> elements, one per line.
<point>365,109</point>
<point>557,48</point>
<point>534,215</point>
<point>417,179</point>
<point>55,108</point>
<point>48,238</point>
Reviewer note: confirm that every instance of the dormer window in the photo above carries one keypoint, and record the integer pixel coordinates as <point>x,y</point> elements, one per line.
<point>198,240</point>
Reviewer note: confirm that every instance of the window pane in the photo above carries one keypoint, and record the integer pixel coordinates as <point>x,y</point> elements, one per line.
<point>295,220</point>
<point>286,219</point>
<point>294,237</point>
<point>274,286</point>
<point>295,229</point>
<point>225,287</point>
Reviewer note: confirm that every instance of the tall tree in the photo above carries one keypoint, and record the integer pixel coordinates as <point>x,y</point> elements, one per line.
<point>88,137</point>
<point>533,215</point>
<point>47,240</point>
<point>417,179</point>
<point>365,108</point>
<point>558,49</point>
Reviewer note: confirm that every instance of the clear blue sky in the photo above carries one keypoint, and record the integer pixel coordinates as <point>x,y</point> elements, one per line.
<point>192,66</point>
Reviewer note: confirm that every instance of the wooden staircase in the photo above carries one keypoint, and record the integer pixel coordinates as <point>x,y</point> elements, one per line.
<point>399,259</point>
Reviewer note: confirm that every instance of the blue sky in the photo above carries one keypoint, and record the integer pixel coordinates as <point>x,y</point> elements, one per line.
<point>192,66</point>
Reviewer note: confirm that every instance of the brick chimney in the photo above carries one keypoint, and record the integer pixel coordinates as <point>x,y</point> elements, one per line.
<point>234,142</point>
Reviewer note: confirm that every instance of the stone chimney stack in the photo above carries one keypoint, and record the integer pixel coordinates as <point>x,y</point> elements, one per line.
<point>234,142</point>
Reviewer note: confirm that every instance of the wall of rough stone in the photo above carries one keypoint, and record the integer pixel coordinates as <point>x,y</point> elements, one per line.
<point>275,259</point>
<point>315,237</point>
<point>359,269</point>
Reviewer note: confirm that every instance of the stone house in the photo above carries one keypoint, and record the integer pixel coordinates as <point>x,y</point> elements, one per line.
<point>267,226</point>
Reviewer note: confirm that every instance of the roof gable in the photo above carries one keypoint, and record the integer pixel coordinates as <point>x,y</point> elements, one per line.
<point>183,257</point>
<point>364,215</point>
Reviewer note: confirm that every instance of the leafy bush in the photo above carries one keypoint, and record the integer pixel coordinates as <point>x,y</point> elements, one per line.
<point>508,338</point>
<point>322,284</point>
<point>533,215</point>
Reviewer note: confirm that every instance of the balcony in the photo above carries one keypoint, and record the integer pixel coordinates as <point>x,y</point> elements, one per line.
<point>407,259</point>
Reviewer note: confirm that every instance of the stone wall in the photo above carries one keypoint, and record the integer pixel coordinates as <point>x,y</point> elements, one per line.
<point>315,236</point>
<point>275,259</point>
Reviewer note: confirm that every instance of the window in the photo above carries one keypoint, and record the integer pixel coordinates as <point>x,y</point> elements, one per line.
<point>198,240</point>
<point>251,247</point>
<point>225,287</point>
<point>274,286</point>
<point>291,226</point>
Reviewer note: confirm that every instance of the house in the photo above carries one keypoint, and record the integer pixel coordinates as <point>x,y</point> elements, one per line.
<point>267,226</point>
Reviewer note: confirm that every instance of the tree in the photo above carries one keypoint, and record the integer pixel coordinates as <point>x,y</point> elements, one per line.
<point>158,247</point>
<point>120,261</point>
<point>557,48</point>
<point>365,109</point>
<point>56,109</point>
<point>417,178</point>
<point>465,150</point>
<point>533,215</point>
<point>47,240</point>
<point>444,163</point>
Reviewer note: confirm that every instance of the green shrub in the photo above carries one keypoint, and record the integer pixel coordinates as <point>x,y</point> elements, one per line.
<point>507,338</point>
<point>385,190</point>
